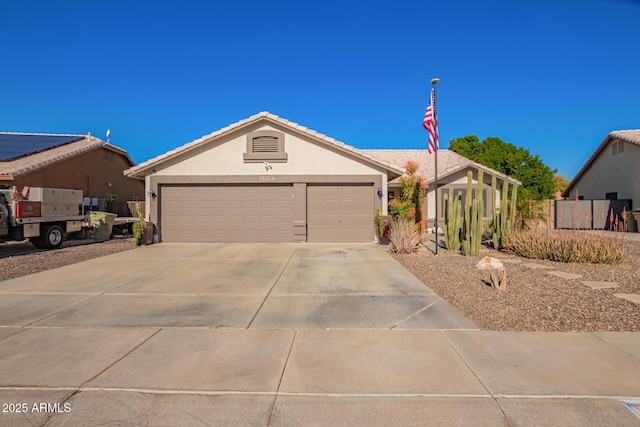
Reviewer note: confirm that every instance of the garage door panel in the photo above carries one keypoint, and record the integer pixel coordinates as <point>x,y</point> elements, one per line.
<point>220,213</point>
<point>340,213</point>
<point>351,221</point>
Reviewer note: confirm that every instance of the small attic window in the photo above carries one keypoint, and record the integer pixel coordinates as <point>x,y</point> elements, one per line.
<point>617,147</point>
<point>265,145</point>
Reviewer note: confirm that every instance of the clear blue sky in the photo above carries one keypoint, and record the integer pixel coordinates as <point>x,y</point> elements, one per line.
<point>553,76</point>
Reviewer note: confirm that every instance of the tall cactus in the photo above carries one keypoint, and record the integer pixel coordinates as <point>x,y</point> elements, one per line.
<point>505,224</point>
<point>466,227</point>
<point>474,211</point>
<point>478,227</point>
<point>498,214</point>
<point>512,209</point>
<point>497,223</point>
<point>452,220</point>
<point>504,216</point>
<point>493,197</point>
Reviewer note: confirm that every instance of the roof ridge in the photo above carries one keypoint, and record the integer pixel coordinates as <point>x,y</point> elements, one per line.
<point>401,149</point>
<point>630,135</point>
<point>46,134</point>
<point>276,120</point>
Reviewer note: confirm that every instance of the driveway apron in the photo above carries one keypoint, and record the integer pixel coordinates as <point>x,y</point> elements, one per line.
<point>281,335</point>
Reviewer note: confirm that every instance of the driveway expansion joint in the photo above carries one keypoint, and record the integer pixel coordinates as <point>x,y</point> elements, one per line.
<point>62,310</point>
<point>284,369</point>
<point>122,357</point>
<point>275,282</point>
<point>150,273</point>
<point>507,420</point>
<point>466,362</point>
<point>416,313</point>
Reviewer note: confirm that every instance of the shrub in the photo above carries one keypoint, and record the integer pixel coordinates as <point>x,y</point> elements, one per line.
<point>138,232</point>
<point>139,227</point>
<point>413,190</point>
<point>572,246</point>
<point>404,235</point>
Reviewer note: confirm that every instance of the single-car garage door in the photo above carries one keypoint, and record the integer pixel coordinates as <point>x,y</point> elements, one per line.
<point>340,213</point>
<point>226,213</point>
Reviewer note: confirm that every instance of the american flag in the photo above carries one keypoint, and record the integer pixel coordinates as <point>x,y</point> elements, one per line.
<point>430,123</point>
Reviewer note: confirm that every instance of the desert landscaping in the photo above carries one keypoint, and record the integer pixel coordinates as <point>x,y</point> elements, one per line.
<point>534,299</point>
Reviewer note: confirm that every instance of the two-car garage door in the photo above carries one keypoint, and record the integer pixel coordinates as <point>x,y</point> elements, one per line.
<point>229,213</point>
<point>264,213</point>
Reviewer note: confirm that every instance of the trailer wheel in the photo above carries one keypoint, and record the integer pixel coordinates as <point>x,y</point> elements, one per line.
<point>51,238</point>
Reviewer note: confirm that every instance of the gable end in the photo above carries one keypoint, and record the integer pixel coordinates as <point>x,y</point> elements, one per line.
<point>265,146</point>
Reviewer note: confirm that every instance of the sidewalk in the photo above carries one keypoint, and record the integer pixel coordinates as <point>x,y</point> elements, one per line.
<point>202,376</point>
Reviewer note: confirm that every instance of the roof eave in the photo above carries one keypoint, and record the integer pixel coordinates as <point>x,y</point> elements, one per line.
<point>587,165</point>
<point>140,170</point>
<point>120,151</point>
<point>471,163</point>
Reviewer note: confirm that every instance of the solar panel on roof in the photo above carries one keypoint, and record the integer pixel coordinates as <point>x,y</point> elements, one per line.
<point>14,145</point>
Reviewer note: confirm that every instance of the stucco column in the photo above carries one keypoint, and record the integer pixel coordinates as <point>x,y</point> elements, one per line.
<point>300,211</point>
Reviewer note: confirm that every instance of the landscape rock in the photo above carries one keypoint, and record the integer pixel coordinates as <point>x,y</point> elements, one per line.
<point>496,272</point>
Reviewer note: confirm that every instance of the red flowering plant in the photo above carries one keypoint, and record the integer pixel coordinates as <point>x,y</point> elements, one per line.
<point>413,190</point>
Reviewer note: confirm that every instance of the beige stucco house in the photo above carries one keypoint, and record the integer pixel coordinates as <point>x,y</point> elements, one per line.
<point>267,179</point>
<point>612,172</point>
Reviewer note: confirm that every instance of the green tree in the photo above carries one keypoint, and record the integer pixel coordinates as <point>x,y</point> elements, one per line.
<point>504,157</point>
<point>560,182</point>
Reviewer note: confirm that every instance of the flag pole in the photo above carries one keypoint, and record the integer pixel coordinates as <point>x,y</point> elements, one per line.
<point>434,82</point>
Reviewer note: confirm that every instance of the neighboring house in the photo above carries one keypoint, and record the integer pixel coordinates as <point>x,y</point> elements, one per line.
<point>612,172</point>
<point>80,162</point>
<point>266,179</point>
<point>452,173</point>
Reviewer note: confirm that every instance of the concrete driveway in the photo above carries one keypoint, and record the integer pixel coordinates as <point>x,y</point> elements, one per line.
<point>286,334</point>
<point>263,286</point>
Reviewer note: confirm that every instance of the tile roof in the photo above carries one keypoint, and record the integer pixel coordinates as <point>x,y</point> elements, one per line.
<point>22,165</point>
<point>395,169</point>
<point>632,135</point>
<point>448,162</point>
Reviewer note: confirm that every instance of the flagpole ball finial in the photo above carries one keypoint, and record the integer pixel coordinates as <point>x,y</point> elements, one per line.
<point>435,80</point>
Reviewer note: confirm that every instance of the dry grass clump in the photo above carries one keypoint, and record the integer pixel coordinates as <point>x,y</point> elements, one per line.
<point>569,246</point>
<point>404,235</point>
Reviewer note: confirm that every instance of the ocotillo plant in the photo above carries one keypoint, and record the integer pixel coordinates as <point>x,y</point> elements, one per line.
<point>452,220</point>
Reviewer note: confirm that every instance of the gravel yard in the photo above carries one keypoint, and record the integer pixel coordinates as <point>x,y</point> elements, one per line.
<point>36,261</point>
<point>534,299</point>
